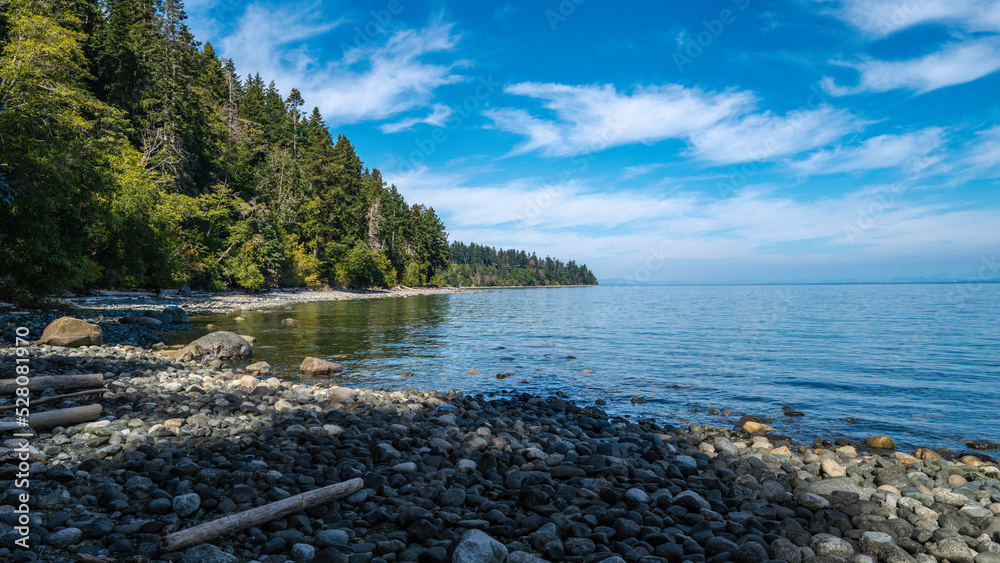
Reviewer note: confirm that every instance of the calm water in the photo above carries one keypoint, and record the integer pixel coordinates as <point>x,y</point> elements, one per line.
<point>918,362</point>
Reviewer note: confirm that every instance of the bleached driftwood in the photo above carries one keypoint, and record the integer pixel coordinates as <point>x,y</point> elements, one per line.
<point>205,533</point>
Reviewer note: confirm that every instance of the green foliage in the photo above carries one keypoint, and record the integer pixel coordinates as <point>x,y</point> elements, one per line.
<point>476,265</point>
<point>365,268</point>
<point>131,157</point>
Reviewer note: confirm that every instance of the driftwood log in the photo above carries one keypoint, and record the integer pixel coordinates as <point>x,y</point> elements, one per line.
<point>205,533</point>
<point>56,398</point>
<point>56,382</point>
<point>65,417</point>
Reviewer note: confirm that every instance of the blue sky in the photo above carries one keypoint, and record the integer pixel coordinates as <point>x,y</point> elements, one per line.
<point>753,140</point>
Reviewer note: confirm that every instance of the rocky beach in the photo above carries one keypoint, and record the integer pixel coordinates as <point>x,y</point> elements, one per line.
<point>183,439</point>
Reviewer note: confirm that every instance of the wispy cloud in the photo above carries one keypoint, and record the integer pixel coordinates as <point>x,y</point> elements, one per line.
<point>911,151</point>
<point>885,17</point>
<point>956,63</point>
<point>438,118</point>
<point>718,125</point>
<point>768,137</point>
<point>369,82</point>
<point>981,159</point>
<point>592,118</point>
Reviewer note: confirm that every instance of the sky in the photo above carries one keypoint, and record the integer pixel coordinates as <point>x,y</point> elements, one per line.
<point>716,141</point>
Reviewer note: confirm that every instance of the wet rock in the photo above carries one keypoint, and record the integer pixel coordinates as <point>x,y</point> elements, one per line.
<point>317,366</point>
<point>260,368</point>
<point>880,441</point>
<point>220,345</point>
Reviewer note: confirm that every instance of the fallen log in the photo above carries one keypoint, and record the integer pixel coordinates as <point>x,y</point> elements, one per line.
<point>56,382</point>
<point>56,398</point>
<point>65,417</point>
<point>205,533</point>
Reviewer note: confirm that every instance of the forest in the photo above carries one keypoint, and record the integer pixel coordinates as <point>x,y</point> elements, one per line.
<point>133,156</point>
<point>477,265</point>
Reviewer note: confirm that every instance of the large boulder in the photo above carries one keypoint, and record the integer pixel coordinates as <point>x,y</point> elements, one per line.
<point>219,345</point>
<point>177,314</point>
<point>316,366</point>
<point>160,316</point>
<point>67,331</point>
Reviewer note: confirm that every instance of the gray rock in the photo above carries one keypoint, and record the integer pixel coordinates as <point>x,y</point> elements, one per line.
<point>220,345</point>
<point>477,547</point>
<point>522,557</point>
<point>828,486</point>
<point>726,446</point>
<point>692,501</point>
<point>892,553</point>
<point>784,550</point>
<point>952,549</point>
<point>828,545</point>
<point>177,314</point>
<point>64,538</point>
<point>160,316</point>
<point>330,538</point>
<point>148,321</point>
<point>186,505</point>
<point>813,502</point>
<point>302,553</point>
<point>206,553</point>
<point>750,552</point>
<point>637,496</point>
<point>872,542</point>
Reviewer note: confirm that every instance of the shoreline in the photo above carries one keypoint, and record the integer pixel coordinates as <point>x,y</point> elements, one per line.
<point>543,478</point>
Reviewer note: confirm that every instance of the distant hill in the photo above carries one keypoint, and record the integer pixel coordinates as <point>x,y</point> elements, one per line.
<point>476,265</point>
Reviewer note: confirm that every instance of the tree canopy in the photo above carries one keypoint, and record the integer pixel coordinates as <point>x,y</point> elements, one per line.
<point>131,155</point>
<point>477,265</point>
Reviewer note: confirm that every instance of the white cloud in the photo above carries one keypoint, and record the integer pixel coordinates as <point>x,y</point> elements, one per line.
<point>981,159</point>
<point>911,151</point>
<point>717,125</point>
<point>767,137</point>
<point>956,63</point>
<point>368,82</point>
<point>885,17</point>
<point>592,118</point>
<point>438,117</point>
<point>744,235</point>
